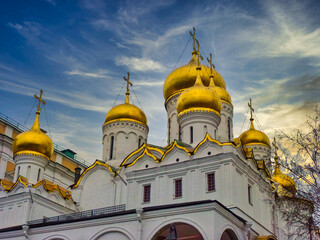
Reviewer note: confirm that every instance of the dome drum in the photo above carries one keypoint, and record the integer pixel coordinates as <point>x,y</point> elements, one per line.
<point>199,122</point>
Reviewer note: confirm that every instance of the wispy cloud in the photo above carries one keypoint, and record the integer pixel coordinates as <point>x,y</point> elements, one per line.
<point>87,74</point>
<point>140,64</point>
<point>148,83</point>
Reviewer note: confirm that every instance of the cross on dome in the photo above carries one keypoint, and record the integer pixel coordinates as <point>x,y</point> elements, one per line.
<point>193,35</point>
<point>40,101</point>
<point>196,45</point>
<point>251,108</point>
<point>212,66</point>
<point>127,79</point>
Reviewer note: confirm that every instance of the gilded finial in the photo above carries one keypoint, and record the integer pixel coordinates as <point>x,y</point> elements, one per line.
<point>127,79</point>
<point>193,35</point>
<point>212,66</point>
<point>251,113</point>
<point>198,52</point>
<point>40,101</point>
<point>251,109</point>
<point>196,45</point>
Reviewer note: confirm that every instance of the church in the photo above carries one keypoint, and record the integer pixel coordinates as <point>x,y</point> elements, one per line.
<point>205,184</point>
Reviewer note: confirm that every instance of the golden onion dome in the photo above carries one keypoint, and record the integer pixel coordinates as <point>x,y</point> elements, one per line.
<point>222,93</point>
<point>253,137</point>
<point>126,111</point>
<point>33,141</point>
<point>184,77</point>
<point>199,96</point>
<point>286,182</point>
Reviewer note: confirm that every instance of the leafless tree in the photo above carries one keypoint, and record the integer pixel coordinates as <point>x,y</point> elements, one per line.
<point>300,159</point>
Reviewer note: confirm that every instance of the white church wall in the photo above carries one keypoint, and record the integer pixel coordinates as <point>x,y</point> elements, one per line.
<point>99,186</point>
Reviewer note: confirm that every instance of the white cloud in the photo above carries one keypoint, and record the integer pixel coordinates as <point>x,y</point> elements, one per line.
<point>87,74</point>
<point>148,83</point>
<point>140,64</point>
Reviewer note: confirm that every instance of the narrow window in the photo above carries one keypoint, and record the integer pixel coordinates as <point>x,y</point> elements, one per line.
<point>178,188</point>
<point>39,172</point>
<point>180,133</point>
<point>111,146</point>
<point>146,193</point>
<point>250,194</point>
<point>191,134</point>
<point>215,134</point>
<point>18,172</point>
<point>169,129</point>
<point>211,184</point>
<point>205,129</point>
<point>139,144</point>
<point>229,129</point>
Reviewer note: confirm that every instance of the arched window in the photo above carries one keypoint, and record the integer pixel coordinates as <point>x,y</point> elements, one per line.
<point>229,235</point>
<point>229,129</point>
<point>178,230</point>
<point>191,134</point>
<point>140,140</point>
<point>180,133</point>
<point>39,172</point>
<point>111,147</point>
<point>205,129</point>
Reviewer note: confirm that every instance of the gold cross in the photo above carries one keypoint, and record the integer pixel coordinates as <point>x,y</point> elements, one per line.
<point>128,82</point>
<point>193,35</point>
<point>251,108</point>
<point>212,66</point>
<point>275,147</point>
<point>40,100</point>
<point>198,52</point>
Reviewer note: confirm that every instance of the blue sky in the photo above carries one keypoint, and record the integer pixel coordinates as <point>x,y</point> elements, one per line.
<point>78,52</point>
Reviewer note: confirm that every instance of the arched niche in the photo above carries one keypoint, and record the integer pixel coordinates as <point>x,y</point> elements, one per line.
<point>177,231</point>
<point>229,235</point>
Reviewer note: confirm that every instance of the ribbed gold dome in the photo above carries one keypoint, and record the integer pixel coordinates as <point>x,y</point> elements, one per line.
<point>126,111</point>
<point>284,180</point>
<point>184,77</point>
<point>199,96</point>
<point>33,141</point>
<point>253,136</point>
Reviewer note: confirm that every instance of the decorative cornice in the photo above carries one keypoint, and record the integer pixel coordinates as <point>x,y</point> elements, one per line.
<point>97,162</point>
<point>125,120</point>
<point>27,152</point>
<point>208,138</point>
<point>200,109</point>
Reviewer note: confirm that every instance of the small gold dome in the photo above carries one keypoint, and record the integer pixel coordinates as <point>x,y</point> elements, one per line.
<point>286,182</point>
<point>253,136</point>
<point>199,96</point>
<point>126,111</point>
<point>33,141</point>
<point>184,77</point>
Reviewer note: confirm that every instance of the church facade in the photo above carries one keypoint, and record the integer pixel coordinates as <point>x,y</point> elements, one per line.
<point>205,184</point>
